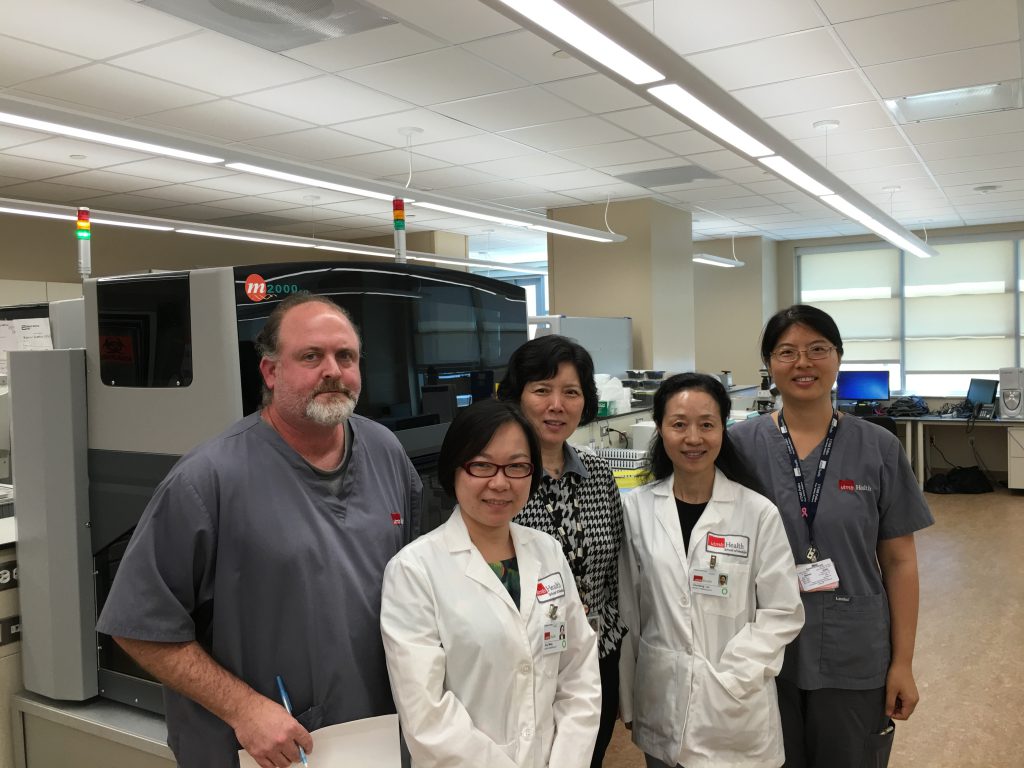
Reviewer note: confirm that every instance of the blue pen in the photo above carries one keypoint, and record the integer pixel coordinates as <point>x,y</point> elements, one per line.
<point>288,707</point>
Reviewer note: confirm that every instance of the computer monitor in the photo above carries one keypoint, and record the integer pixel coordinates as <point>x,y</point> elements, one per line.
<point>982,391</point>
<point>863,386</point>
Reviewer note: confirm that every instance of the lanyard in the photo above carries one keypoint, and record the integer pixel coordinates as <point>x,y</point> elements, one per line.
<point>809,505</point>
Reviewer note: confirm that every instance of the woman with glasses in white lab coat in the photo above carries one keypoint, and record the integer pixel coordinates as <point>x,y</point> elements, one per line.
<point>491,658</point>
<point>708,590</point>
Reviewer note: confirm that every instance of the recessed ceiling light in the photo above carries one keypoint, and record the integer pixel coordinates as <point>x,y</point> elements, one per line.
<point>986,189</point>
<point>825,125</point>
<point>77,157</point>
<point>560,54</point>
<point>957,102</point>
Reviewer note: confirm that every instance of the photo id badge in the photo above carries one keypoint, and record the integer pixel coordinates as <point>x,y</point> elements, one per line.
<point>708,582</point>
<point>817,577</point>
<point>555,640</point>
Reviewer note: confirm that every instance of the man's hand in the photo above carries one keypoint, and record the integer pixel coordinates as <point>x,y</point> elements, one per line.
<point>901,694</point>
<point>268,733</point>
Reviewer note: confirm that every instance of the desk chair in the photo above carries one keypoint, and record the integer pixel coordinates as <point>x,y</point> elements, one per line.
<point>888,422</point>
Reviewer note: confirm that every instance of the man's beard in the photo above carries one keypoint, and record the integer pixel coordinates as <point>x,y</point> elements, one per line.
<point>336,410</point>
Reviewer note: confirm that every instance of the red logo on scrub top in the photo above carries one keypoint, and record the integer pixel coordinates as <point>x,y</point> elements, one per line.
<point>847,485</point>
<point>396,518</point>
<point>255,287</point>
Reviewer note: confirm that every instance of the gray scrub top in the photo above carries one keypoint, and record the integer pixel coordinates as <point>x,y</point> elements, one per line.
<point>869,494</point>
<point>246,549</point>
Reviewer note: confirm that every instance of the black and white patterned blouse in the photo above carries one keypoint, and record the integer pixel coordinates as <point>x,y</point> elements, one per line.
<point>583,511</point>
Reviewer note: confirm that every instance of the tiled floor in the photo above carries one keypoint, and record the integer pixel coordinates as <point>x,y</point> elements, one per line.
<point>970,650</point>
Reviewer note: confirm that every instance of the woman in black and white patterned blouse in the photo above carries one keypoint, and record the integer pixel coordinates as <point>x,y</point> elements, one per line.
<point>552,380</point>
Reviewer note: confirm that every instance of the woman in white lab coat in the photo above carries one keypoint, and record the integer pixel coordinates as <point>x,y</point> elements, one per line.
<point>709,592</point>
<point>485,673</point>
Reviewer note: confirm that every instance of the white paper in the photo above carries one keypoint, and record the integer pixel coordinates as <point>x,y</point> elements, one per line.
<point>817,577</point>
<point>369,743</point>
<point>30,333</point>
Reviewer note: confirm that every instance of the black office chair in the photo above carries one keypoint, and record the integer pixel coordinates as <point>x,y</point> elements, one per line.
<point>888,422</point>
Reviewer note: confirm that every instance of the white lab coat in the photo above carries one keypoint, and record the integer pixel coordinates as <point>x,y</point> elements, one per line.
<point>698,671</point>
<point>470,679</point>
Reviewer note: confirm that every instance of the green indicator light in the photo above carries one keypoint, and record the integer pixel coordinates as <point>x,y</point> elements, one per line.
<point>84,234</point>
<point>399,224</point>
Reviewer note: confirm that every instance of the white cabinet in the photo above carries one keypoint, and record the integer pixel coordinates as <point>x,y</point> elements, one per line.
<point>1015,456</point>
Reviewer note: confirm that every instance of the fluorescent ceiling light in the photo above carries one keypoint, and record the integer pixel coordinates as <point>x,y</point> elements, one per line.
<point>716,261</point>
<point>957,102</point>
<point>700,113</point>
<point>583,37</point>
<point>787,170</point>
<point>247,238</point>
<point>40,214</point>
<point>470,214</point>
<point>73,217</point>
<point>556,231</point>
<point>131,224</point>
<point>308,181</point>
<point>104,138</point>
<point>849,209</point>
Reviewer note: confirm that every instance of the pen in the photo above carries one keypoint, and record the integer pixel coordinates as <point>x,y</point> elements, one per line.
<point>288,707</point>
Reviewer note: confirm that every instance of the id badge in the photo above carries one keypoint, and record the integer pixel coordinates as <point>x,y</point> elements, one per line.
<point>713,583</point>
<point>554,637</point>
<point>817,577</point>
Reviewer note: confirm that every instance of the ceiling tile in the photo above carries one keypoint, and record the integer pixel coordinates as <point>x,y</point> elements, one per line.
<point>184,193</point>
<point>944,71</point>
<point>377,165</point>
<point>369,47</point>
<point>386,128</point>
<point>526,165</point>
<point>167,169</point>
<point>695,25</point>
<point>542,200</point>
<point>21,61</point>
<point>97,29</point>
<point>528,56</point>
<point>568,134</point>
<point>452,176</point>
<point>709,194</point>
<point>472,149</point>
<point>966,127</point>
<point>595,93</point>
<point>602,192</point>
<point>559,182</point>
<point>324,100</point>
<point>225,120</point>
<point>60,150</point>
<point>126,203</point>
<point>434,77</point>
<point>981,145</point>
<point>718,161</point>
<point>854,117</point>
<point>884,174</point>
<point>807,94</point>
<point>108,88</point>
<point>109,182</point>
<point>491,190</point>
<point>615,152</point>
<point>191,212</point>
<point>686,143</point>
<point>950,26</point>
<point>198,62</point>
<point>843,10</point>
<point>510,110</point>
<point>29,168</point>
<point>457,21</point>
<point>12,137</point>
<point>245,184</point>
<point>302,196</point>
<point>785,57</point>
<point>976,162</point>
<point>316,144</point>
<point>51,192</point>
<point>844,143</point>
<point>646,121</point>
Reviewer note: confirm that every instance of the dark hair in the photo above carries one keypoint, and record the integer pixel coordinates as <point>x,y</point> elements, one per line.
<point>269,335</point>
<point>470,432</point>
<point>798,314</point>
<point>728,460</point>
<point>539,359</point>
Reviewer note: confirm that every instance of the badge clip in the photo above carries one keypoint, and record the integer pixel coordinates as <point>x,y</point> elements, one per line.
<point>812,554</point>
<point>553,612</point>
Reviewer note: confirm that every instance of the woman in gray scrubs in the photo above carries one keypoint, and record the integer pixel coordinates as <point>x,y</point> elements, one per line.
<point>851,505</point>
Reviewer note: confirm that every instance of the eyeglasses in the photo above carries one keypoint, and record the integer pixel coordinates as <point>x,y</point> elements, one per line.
<point>813,352</point>
<point>516,471</point>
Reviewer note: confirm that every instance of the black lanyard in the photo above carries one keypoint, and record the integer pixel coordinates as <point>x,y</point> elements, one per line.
<point>809,506</point>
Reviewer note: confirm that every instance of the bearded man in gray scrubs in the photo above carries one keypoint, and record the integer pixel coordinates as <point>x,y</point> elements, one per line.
<point>262,554</point>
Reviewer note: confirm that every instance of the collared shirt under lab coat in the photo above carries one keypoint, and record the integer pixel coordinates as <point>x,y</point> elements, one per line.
<point>469,676</point>
<point>698,671</point>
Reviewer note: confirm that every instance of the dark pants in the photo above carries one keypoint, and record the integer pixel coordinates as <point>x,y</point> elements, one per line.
<point>834,728</point>
<point>609,705</point>
<point>653,762</point>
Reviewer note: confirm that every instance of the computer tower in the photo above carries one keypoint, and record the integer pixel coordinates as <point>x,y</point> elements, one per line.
<point>1011,393</point>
